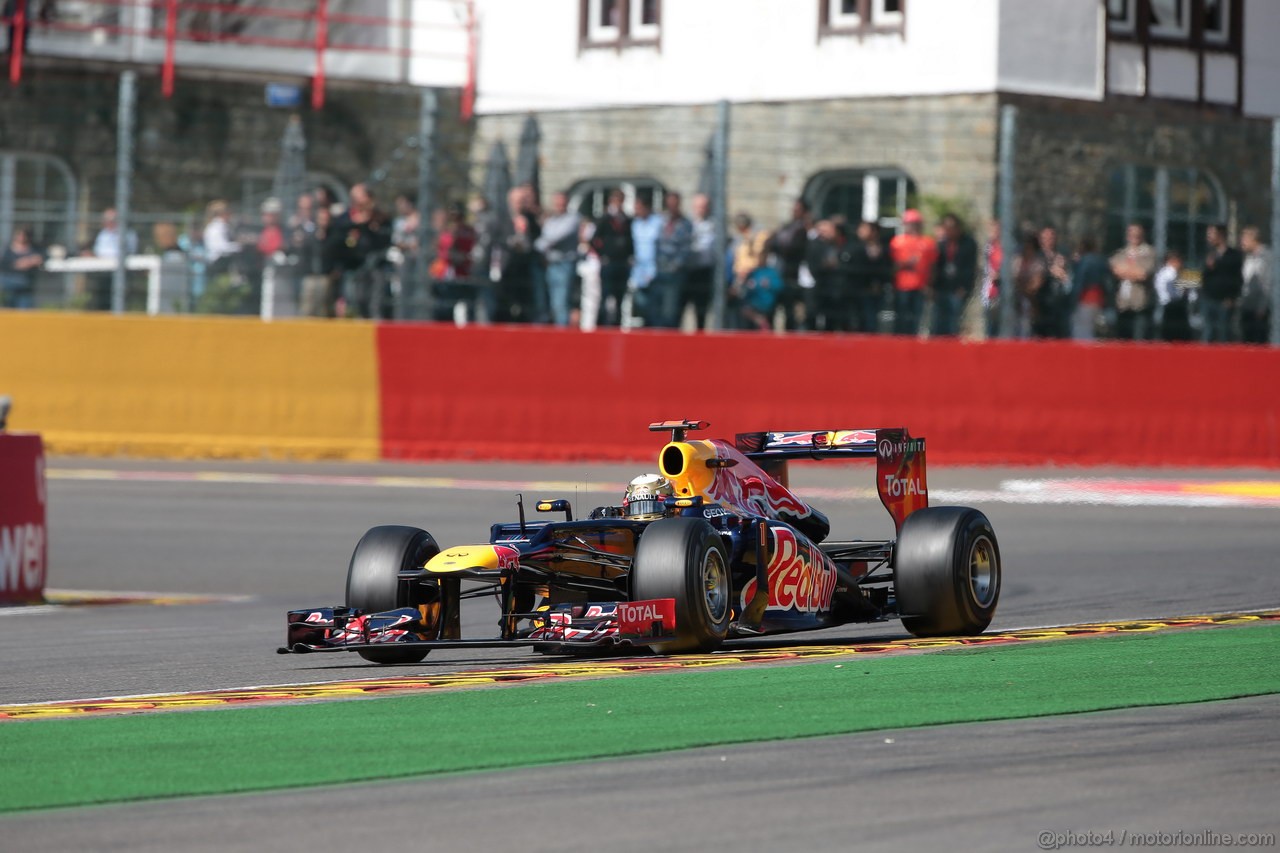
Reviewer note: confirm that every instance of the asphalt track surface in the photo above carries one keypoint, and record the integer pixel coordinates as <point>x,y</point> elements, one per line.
<point>986,786</point>
<point>286,545</point>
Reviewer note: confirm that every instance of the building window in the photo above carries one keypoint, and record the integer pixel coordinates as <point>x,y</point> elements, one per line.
<point>615,23</point>
<point>1121,17</point>
<point>1169,19</point>
<point>839,17</point>
<point>644,20</point>
<point>590,196</point>
<point>1174,206</point>
<point>37,191</point>
<point>887,12</point>
<point>844,14</point>
<point>874,195</point>
<point>1205,23</point>
<point>1182,50</point>
<point>1217,21</point>
<point>604,21</point>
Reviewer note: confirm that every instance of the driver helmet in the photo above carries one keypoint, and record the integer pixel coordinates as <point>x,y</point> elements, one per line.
<point>644,498</point>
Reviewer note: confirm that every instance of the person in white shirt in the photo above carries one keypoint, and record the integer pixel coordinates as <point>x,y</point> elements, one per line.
<point>1255,298</point>
<point>1173,298</point>
<point>217,233</point>
<point>589,269</point>
<point>107,243</point>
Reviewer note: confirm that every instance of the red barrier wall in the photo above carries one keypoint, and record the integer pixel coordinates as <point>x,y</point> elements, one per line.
<point>542,393</point>
<point>23,540</point>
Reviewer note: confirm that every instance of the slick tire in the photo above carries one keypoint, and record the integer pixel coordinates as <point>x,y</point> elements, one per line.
<point>685,559</point>
<point>947,572</point>
<point>373,578</point>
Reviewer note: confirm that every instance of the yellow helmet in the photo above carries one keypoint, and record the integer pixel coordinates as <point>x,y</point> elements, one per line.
<point>644,498</point>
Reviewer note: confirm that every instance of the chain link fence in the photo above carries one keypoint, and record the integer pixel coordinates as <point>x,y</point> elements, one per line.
<point>906,215</point>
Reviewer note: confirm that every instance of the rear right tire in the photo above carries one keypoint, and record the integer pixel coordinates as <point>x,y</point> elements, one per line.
<point>947,572</point>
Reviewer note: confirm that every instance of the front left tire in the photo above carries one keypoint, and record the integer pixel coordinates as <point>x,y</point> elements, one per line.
<point>373,579</point>
<point>685,559</point>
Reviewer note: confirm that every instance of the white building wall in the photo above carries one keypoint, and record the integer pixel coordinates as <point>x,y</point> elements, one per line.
<point>1126,70</point>
<point>1220,78</point>
<point>743,50</point>
<point>770,51</point>
<point>437,42</point>
<point>1172,73</point>
<point>1052,47</point>
<point>1261,58</point>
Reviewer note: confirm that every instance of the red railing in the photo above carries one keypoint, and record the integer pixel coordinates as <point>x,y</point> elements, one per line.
<point>322,19</point>
<point>18,36</point>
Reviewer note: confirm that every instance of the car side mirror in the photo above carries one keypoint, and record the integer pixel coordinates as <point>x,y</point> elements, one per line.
<point>560,505</point>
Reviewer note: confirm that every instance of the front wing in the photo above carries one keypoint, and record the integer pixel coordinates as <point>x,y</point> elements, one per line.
<point>591,625</point>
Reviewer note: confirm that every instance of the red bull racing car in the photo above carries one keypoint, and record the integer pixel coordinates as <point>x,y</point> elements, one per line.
<point>715,547</point>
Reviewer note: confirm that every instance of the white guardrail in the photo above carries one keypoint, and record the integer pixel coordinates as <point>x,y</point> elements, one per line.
<point>150,264</point>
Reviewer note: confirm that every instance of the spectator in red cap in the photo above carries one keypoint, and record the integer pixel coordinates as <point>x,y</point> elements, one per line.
<point>914,256</point>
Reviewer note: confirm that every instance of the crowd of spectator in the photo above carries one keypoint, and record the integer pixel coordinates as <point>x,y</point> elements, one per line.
<point>657,268</point>
<point>1133,295</point>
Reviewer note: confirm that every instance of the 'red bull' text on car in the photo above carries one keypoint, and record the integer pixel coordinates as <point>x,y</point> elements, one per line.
<point>713,547</point>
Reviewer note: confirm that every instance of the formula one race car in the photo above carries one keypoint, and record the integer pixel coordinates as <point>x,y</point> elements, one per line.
<point>715,547</point>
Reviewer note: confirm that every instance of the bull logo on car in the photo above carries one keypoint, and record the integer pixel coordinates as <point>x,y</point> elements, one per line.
<point>508,557</point>
<point>749,489</point>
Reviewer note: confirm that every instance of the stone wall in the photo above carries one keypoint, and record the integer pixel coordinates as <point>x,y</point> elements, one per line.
<point>1068,149</point>
<point>1065,153</point>
<point>946,144</point>
<point>197,145</point>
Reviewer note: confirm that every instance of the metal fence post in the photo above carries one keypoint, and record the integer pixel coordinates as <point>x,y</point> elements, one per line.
<point>267,309</point>
<point>720,211</point>
<point>1160,235</point>
<point>1275,233</point>
<point>124,182</point>
<point>1009,243</point>
<point>421,274</point>
<point>8,189</point>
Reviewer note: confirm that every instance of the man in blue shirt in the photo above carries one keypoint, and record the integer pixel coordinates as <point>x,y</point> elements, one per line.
<point>645,230</point>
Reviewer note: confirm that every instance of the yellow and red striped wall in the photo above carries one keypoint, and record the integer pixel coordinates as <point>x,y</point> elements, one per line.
<point>240,388</point>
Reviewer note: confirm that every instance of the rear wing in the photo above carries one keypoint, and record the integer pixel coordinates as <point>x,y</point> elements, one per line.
<point>901,479</point>
<point>808,444</point>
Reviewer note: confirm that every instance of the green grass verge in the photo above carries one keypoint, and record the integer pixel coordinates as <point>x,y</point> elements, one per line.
<point>112,759</point>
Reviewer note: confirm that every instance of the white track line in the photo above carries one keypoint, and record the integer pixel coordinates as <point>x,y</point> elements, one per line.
<point>1074,492</point>
<point>71,598</point>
